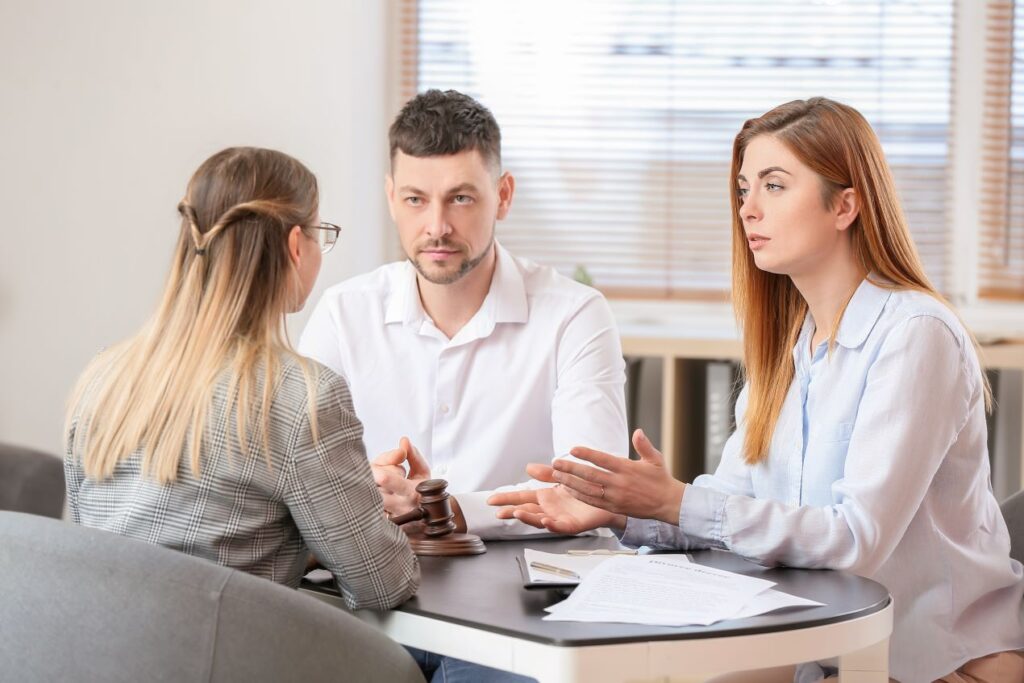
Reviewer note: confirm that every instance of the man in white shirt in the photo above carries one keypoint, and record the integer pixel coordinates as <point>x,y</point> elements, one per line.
<point>484,361</point>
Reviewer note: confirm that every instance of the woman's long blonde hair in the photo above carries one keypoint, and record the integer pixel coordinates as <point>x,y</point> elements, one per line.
<point>222,311</point>
<point>836,142</point>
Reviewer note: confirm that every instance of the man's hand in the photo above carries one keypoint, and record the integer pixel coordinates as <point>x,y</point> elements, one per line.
<point>398,486</point>
<point>554,509</point>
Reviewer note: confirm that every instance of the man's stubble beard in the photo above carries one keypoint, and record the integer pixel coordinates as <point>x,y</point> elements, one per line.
<point>464,269</point>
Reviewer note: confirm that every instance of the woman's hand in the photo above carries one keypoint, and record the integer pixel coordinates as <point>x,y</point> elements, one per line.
<point>635,488</point>
<point>552,508</point>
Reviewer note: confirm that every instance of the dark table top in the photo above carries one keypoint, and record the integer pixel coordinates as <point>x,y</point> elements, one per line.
<point>486,592</point>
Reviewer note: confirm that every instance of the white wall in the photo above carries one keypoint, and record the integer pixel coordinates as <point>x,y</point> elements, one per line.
<point>106,108</point>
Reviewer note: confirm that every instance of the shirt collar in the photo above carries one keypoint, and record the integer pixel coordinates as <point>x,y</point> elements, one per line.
<point>506,300</point>
<point>862,312</point>
<point>859,318</point>
<point>508,290</point>
<point>403,305</point>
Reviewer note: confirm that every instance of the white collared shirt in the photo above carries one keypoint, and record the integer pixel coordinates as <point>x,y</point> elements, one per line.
<point>878,465</point>
<point>536,371</point>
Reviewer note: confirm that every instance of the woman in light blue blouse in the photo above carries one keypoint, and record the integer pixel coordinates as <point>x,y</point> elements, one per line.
<point>861,437</point>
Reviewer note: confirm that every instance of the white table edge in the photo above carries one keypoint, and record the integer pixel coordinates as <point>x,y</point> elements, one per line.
<point>860,643</point>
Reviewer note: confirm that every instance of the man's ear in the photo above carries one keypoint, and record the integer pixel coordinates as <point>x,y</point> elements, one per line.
<point>506,188</point>
<point>846,208</point>
<point>389,193</point>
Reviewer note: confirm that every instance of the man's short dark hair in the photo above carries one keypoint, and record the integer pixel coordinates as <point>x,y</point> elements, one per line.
<point>436,123</point>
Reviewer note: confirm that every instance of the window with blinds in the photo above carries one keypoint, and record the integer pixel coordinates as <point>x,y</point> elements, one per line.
<point>618,116</point>
<point>1001,246</point>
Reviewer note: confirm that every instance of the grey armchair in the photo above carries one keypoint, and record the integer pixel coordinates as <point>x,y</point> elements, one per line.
<point>1013,513</point>
<point>31,481</point>
<point>86,605</point>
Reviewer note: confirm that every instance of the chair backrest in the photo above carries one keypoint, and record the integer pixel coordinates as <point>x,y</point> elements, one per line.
<point>86,605</point>
<point>1013,513</point>
<point>31,481</point>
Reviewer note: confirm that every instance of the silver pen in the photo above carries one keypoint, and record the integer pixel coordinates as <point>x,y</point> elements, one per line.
<point>551,569</point>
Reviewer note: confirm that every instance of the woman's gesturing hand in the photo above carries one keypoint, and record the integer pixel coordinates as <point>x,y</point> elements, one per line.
<point>643,488</point>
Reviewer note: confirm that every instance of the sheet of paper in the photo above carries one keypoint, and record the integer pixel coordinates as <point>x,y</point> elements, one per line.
<point>771,600</point>
<point>660,590</point>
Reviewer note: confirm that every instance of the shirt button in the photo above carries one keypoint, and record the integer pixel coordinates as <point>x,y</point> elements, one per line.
<point>444,408</point>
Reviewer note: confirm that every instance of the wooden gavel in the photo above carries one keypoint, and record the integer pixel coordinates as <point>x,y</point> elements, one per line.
<point>437,537</point>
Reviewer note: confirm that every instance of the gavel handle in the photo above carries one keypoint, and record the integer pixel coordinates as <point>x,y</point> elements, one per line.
<point>411,515</point>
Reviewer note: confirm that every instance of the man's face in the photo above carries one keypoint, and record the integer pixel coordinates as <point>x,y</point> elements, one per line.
<point>445,208</point>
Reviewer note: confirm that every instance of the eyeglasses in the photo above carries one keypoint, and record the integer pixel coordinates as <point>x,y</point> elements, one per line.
<point>327,235</point>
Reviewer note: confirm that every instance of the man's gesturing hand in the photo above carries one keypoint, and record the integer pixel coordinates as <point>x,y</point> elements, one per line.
<point>398,486</point>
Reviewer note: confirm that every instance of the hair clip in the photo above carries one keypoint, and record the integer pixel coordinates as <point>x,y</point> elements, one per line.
<point>200,251</point>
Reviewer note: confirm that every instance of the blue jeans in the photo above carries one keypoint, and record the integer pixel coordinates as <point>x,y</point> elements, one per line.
<point>441,669</point>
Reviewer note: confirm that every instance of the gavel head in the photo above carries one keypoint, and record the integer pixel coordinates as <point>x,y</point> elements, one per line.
<point>437,510</point>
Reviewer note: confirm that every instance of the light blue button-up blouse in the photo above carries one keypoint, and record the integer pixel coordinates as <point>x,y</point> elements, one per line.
<point>878,465</point>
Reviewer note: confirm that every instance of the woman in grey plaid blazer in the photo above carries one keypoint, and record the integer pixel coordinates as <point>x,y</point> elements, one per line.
<point>205,432</point>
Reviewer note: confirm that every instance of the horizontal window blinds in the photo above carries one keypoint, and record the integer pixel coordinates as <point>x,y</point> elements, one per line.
<point>618,116</point>
<point>1001,247</point>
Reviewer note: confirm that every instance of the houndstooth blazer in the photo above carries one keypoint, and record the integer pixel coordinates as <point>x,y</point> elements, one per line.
<point>259,517</point>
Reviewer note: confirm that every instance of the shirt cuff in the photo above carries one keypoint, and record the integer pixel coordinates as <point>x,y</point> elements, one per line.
<point>653,534</point>
<point>701,515</point>
<point>638,532</point>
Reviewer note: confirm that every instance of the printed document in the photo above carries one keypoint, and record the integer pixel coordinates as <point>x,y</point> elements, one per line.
<point>667,590</point>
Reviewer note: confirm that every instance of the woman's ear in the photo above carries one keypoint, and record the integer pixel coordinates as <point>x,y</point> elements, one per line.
<point>296,245</point>
<point>846,208</point>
